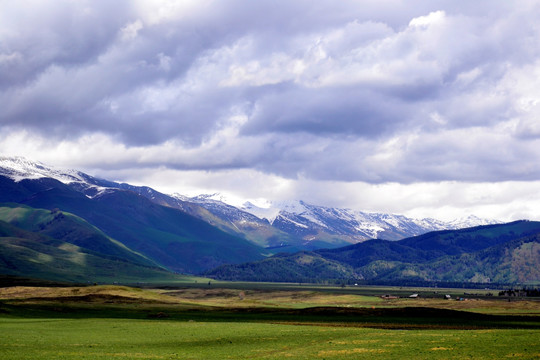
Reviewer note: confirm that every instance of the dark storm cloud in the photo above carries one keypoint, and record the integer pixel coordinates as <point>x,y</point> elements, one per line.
<point>342,111</point>
<point>64,62</point>
<point>37,35</point>
<point>354,91</point>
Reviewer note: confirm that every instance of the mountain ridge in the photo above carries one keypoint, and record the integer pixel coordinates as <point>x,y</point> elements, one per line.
<point>502,253</point>
<point>288,225</point>
<point>42,205</point>
<point>169,236</point>
<point>309,221</point>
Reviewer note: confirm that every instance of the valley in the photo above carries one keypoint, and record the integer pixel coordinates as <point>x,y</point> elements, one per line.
<point>171,277</point>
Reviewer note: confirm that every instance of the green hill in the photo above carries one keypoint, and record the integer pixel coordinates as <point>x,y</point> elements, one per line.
<point>516,261</point>
<point>503,253</point>
<point>168,236</point>
<point>29,254</point>
<point>433,245</point>
<point>303,266</point>
<point>68,228</point>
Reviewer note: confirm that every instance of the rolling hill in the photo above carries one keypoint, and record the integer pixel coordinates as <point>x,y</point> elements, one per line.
<point>33,255</point>
<point>68,228</point>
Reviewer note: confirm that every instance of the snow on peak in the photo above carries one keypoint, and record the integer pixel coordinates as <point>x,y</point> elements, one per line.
<point>470,221</point>
<point>271,209</point>
<point>227,199</point>
<point>19,168</point>
<point>211,197</point>
<point>297,207</point>
<point>180,197</point>
<point>263,210</point>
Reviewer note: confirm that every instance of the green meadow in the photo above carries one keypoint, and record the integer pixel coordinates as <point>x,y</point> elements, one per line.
<point>212,322</point>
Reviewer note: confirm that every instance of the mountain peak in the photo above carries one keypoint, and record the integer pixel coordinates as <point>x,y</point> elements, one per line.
<point>19,168</point>
<point>262,210</point>
<point>179,196</point>
<point>471,221</point>
<point>211,197</point>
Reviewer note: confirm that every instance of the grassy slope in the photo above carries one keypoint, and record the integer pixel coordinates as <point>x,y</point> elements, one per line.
<point>432,245</point>
<point>455,242</point>
<point>517,261</point>
<point>29,254</point>
<point>299,267</point>
<point>505,253</point>
<point>68,228</point>
<point>168,236</point>
<point>182,242</point>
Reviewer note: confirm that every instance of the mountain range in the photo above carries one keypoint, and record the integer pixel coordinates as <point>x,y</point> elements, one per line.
<point>68,225</point>
<point>501,253</point>
<point>289,225</point>
<point>172,239</point>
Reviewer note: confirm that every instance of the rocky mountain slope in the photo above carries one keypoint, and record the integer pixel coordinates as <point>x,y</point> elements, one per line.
<point>323,227</point>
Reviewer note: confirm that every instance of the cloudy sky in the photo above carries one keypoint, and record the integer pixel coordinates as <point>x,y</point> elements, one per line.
<point>419,107</point>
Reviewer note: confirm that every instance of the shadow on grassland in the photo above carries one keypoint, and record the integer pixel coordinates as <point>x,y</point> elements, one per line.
<point>107,306</point>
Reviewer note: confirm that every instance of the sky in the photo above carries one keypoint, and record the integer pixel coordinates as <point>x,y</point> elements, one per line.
<point>421,107</point>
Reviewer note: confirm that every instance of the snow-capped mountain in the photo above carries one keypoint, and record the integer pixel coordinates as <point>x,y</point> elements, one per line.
<point>288,225</point>
<point>19,168</point>
<point>236,217</point>
<point>131,219</point>
<point>215,212</point>
<point>469,221</point>
<point>301,217</point>
<point>234,220</point>
<point>311,223</point>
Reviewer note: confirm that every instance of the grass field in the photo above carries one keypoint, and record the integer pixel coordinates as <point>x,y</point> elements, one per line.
<point>112,322</point>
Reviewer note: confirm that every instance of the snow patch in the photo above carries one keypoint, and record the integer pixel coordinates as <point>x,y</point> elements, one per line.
<point>269,213</point>
<point>293,222</point>
<point>19,168</point>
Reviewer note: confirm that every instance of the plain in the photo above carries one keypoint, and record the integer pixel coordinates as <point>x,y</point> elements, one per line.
<point>270,321</point>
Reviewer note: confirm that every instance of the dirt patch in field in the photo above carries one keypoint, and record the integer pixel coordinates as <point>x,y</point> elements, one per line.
<point>91,294</point>
<point>95,298</point>
<point>338,353</point>
<point>201,294</point>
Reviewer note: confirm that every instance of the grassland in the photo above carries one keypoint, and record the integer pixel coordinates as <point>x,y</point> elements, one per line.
<point>270,321</point>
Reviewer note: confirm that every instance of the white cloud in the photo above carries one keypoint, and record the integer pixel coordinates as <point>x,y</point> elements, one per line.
<point>129,32</point>
<point>433,18</point>
<point>155,12</point>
